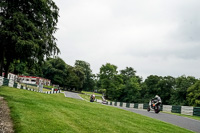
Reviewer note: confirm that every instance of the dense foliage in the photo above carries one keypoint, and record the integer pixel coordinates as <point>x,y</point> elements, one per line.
<point>26,31</point>
<point>124,85</point>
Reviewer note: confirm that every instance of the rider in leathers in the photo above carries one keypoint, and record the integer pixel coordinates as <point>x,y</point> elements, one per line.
<point>155,98</point>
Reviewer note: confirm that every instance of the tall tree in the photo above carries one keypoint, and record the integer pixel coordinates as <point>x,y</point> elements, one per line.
<point>166,86</point>
<point>55,69</point>
<point>193,96</point>
<point>150,86</point>
<point>107,76</point>
<point>88,83</point>
<point>180,90</point>
<point>26,31</point>
<point>131,91</point>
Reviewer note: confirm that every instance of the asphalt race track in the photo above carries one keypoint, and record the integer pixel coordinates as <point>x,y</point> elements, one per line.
<point>184,122</point>
<point>72,95</point>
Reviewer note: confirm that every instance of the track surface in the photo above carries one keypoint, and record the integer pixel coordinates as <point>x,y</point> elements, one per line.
<point>72,95</point>
<point>184,122</point>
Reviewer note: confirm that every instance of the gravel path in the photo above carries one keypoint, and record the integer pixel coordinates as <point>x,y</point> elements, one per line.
<point>190,124</point>
<point>6,124</point>
<point>72,95</point>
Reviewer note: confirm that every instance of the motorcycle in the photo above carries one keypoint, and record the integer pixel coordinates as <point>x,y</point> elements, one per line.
<point>92,98</point>
<point>154,105</point>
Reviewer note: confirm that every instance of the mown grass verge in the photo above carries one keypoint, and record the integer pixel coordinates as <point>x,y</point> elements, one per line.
<point>188,116</point>
<point>34,112</point>
<point>90,93</point>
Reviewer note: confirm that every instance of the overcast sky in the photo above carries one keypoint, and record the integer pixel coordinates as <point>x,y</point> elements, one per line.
<point>155,37</point>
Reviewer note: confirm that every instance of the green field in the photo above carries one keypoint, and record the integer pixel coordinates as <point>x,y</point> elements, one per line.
<point>34,112</point>
<point>90,93</point>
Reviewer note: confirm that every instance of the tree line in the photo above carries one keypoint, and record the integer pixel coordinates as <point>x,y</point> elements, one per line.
<point>123,85</point>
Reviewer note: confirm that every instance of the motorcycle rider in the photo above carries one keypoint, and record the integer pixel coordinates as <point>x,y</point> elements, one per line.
<point>157,98</point>
<point>92,98</point>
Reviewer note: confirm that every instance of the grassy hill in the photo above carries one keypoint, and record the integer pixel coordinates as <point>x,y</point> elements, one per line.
<point>34,112</point>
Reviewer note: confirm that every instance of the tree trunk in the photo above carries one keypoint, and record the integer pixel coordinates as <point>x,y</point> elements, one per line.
<point>6,69</point>
<point>1,67</point>
<point>1,62</point>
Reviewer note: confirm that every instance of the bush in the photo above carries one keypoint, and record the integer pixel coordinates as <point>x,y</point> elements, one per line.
<point>102,91</point>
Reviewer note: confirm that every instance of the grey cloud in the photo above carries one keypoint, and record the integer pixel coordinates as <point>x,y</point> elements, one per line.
<point>132,33</point>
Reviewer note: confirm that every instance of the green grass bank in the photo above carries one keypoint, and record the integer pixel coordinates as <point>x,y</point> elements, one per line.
<point>34,112</point>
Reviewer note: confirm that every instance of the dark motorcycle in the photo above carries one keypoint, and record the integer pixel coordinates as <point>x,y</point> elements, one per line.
<point>92,98</point>
<point>155,105</point>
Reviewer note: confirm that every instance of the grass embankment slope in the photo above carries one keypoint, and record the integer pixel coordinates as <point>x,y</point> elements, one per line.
<point>36,112</point>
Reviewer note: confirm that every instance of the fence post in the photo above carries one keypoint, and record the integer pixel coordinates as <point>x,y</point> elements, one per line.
<point>1,81</point>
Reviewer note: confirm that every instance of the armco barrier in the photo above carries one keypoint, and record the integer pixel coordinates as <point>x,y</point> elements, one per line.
<point>15,85</point>
<point>11,83</point>
<point>18,86</point>
<point>140,106</point>
<point>167,108</point>
<point>176,109</point>
<point>145,105</point>
<point>187,110</point>
<point>124,105</point>
<point>121,104</point>
<point>196,111</point>
<point>161,107</point>
<point>5,82</point>
<point>1,81</point>
<point>128,105</point>
<point>136,105</point>
<point>131,105</point>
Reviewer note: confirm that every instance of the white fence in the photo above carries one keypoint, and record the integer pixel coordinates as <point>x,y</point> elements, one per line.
<point>123,104</point>
<point>1,81</point>
<point>140,106</point>
<point>11,83</point>
<point>187,110</point>
<point>131,105</point>
<point>167,108</point>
